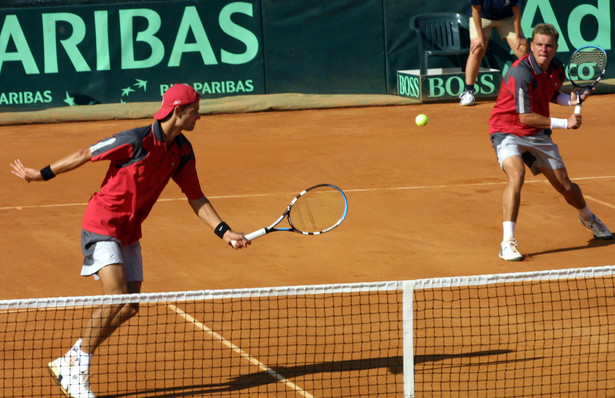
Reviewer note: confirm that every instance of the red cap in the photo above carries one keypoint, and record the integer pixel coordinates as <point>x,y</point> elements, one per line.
<point>176,95</point>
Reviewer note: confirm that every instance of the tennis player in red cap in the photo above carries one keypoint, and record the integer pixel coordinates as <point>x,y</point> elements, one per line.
<point>142,161</point>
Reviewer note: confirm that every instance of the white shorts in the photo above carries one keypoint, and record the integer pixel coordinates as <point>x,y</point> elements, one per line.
<point>101,250</point>
<point>505,28</point>
<point>538,151</point>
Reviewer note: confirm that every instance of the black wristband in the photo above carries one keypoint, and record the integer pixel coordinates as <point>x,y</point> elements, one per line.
<point>221,229</point>
<point>46,173</point>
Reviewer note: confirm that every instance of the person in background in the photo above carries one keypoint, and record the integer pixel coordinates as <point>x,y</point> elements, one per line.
<point>520,132</point>
<point>142,161</point>
<point>503,15</point>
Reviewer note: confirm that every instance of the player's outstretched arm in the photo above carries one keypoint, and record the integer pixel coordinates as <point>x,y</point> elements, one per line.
<point>63,165</point>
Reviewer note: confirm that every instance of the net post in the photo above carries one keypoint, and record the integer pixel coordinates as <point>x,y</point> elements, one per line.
<point>408,338</point>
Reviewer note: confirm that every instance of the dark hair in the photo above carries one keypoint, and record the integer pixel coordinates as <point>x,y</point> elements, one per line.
<point>547,30</point>
<point>181,108</point>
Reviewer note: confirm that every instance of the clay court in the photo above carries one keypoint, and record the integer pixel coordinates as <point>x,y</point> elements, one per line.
<point>424,201</point>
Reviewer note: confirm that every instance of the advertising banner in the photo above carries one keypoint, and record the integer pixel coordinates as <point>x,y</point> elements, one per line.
<point>442,85</point>
<point>108,52</point>
<point>128,52</point>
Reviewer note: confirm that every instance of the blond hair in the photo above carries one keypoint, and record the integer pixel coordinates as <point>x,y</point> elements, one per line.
<point>546,30</point>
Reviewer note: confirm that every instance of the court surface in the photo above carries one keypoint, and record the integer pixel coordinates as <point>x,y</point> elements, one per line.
<point>424,201</point>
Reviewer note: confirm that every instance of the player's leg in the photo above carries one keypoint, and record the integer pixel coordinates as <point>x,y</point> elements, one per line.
<point>569,190</point>
<point>71,371</point>
<point>106,319</point>
<point>120,271</point>
<point>514,168</point>
<point>574,196</point>
<point>122,278</point>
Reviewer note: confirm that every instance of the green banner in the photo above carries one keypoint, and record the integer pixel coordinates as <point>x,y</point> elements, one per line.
<point>96,51</point>
<point>81,55</point>
<point>580,22</point>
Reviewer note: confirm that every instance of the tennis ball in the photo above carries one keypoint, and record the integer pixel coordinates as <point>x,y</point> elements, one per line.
<point>421,119</point>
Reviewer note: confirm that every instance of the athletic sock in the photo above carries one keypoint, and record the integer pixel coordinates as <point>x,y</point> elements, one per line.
<point>585,213</point>
<point>470,88</point>
<point>508,228</point>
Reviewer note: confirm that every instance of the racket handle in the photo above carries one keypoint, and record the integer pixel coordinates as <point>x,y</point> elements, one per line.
<point>252,235</point>
<point>256,234</point>
<point>577,109</point>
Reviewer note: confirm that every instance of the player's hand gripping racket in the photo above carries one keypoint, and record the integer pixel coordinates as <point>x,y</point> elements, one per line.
<point>586,68</point>
<point>314,211</point>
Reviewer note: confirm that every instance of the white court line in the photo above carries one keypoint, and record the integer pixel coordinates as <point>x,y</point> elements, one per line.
<point>600,201</point>
<point>242,353</point>
<point>408,188</point>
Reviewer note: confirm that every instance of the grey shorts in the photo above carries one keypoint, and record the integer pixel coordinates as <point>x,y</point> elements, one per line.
<point>537,151</point>
<point>102,250</point>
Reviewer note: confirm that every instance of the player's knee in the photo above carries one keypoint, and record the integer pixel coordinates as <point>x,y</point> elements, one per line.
<point>516,176</point>
<point>572,188</point>
<point>129,310</point>
<point>133,309</point>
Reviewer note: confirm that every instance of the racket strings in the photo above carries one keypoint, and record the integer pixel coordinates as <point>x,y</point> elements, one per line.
<point>587,65</point>
<point>317,210</point>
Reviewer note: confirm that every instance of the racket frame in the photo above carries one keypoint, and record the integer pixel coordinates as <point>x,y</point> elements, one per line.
<point>586,87</point>
<point>272,227</point>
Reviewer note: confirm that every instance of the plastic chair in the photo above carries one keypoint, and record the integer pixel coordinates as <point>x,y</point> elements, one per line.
<point>438,35</point>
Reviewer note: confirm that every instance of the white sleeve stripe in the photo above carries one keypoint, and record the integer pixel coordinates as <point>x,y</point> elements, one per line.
<point>102,144</point>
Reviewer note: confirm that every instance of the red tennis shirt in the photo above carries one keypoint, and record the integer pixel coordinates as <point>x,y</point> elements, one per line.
<point>526,88</point>
<point>141,165</point>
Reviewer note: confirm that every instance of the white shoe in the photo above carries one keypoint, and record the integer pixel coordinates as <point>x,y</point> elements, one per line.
<point>74,382</point>
<point>467,98</point>
<point>598,228</point>
<point>509,251</point>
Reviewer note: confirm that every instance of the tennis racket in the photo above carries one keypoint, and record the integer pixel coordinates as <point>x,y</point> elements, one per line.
<point>586,68</point>
<point>314,211</point>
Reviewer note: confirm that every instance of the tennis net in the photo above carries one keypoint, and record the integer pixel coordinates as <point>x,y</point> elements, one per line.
<point>508,335</point>
<point>311,341</point>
